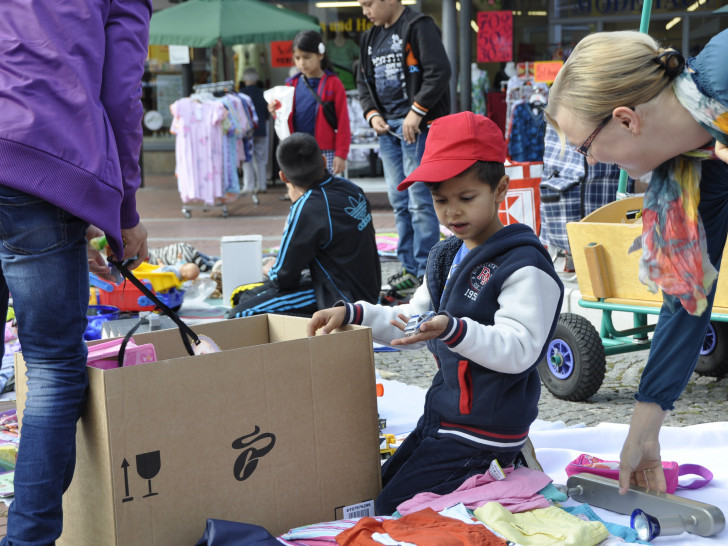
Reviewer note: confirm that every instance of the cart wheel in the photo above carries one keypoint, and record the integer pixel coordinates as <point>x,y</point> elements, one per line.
<point>713,359</point>
<point>574,365</point>
<point>187,213</point>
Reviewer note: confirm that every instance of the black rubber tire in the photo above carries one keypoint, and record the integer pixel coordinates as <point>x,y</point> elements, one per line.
<point>713,360</point>
<point>588,360</point>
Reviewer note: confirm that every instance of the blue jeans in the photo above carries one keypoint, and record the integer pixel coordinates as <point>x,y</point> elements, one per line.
<point>45,268</point>
<point>414,215</point>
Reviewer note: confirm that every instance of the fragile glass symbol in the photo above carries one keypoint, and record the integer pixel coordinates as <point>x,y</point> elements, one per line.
<point>148,466</point>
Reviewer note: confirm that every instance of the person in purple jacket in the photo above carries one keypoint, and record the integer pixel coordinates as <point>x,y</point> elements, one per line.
<point>70,139</point>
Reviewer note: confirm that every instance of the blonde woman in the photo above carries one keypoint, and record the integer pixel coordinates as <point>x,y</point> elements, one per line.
<point>622,99</point>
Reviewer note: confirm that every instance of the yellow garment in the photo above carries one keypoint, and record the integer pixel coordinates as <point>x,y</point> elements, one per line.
<point>542,526</point>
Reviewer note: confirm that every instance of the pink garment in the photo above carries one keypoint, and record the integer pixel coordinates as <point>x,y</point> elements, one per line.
<point>518,493</point>
<point>198,149</point>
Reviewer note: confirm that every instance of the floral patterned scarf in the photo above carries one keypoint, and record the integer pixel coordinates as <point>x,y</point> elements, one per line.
<point>674,250</point>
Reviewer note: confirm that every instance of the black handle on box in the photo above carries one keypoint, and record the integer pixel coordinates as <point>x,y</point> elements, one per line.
<point>184,330</point>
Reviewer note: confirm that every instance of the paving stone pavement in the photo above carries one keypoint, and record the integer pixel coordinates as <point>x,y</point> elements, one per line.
<point>704,400</point>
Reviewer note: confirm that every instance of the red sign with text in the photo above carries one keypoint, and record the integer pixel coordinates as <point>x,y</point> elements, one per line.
<point>495,36</point>
<point>281,54</point>
<point>545,71</point>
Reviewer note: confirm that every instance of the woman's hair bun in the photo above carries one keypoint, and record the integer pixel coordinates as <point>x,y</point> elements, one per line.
<point>671,61</point>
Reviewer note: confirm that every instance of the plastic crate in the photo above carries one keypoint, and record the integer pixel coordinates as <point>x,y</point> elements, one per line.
<point>126,297</point>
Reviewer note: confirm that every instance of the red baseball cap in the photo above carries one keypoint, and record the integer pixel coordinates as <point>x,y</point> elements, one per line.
<point>454,143</point>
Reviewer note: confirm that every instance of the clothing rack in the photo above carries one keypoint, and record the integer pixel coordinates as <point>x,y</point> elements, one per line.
<point>227,85</point>
<point>207,93</point>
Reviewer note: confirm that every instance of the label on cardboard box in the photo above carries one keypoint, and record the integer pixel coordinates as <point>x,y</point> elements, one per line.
<point>360,510</point>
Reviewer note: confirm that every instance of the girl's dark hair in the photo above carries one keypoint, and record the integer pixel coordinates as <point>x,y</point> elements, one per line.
<point>311,41</point>
<point>488,172</point>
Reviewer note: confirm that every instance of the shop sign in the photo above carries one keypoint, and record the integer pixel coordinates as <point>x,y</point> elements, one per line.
<point>281,54</point>
<point>604,7</point>
<point>179,54</point>
<point>495,36</point>
<point>545,71</point>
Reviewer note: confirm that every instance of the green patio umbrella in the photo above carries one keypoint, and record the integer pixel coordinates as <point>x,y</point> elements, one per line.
<point>206,23</point>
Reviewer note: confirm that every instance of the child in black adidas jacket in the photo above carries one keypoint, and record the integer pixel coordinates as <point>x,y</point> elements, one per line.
<point>497,299</point>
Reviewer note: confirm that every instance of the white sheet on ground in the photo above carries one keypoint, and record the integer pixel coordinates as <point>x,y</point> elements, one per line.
<point>706,445</point>
<point>557,445</point>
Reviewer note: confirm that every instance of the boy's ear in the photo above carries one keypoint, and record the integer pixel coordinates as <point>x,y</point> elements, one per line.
<point>502,188</point>
<point>282,176</point>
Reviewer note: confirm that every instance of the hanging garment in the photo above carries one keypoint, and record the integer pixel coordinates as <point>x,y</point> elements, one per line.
<point>197,125</point>
<point>525,142</point>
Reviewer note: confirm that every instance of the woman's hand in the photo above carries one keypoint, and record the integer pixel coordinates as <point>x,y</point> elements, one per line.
<point>135,245</point>
<point>96,262</point>
<point>639,461</point>
<point>721,150</point>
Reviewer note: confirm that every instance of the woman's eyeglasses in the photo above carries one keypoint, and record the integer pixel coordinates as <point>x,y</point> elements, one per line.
<point>584,148</point>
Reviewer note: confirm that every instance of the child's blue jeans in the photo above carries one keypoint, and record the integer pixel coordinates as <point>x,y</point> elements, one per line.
<point>439,465</point>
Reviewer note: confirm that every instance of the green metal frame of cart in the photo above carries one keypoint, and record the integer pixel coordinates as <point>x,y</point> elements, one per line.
<point>575,362</point>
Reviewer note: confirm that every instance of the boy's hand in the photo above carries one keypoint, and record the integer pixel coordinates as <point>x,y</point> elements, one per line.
<point>428,330</point>
<point>326,319</point>
<point>380,125</point>
<point>411,127</point>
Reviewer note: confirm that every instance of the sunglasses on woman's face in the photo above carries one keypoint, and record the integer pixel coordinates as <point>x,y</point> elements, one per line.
<point>584,148</point>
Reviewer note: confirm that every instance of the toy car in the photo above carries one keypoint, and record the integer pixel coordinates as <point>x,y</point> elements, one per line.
<point>413,326</point>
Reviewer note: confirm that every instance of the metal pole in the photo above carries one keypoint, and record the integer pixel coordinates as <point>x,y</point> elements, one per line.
<point>449,40</point>
<point>644,25</point>
<point>464,54</point>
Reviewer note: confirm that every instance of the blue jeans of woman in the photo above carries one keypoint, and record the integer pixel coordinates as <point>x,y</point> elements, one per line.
<point>45,270</point>
<point>414,215</point>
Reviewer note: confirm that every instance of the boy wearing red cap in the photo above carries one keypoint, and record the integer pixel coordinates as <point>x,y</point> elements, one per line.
<point>497,300</point>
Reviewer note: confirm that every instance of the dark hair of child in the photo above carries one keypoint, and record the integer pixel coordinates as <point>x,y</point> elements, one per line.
<point>488,172</point>
<point>311,41</point>
<point>299,157</point>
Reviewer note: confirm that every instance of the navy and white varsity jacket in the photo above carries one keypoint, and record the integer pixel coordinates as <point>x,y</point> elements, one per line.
<point>503,303</point>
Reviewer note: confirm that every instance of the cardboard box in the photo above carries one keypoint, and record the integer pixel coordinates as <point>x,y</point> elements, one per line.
<point>278,429</point>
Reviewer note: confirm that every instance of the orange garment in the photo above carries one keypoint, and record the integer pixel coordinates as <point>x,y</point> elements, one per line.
<point>423,528</point>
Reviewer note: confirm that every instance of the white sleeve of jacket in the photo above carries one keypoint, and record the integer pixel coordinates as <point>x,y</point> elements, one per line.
<point>378,317</point>
<point>528,302</point>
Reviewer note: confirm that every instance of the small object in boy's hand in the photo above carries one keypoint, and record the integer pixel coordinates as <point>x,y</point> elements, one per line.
<point>413,326</point>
